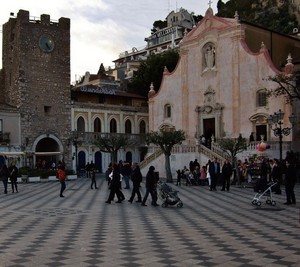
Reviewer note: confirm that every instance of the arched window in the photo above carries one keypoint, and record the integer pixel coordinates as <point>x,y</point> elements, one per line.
<point>142,127</point>
<point>167,111</point>
<point>80,124</point>
<point>261,98</point>
<point>113,126</point>
<point>128,127</point>
<point>97,125</point>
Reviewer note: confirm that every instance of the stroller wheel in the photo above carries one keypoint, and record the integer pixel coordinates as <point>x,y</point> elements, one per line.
<point>268,201</point>
<point>164,205</point>
<point>273,203</point>
<point>258,203</point>
<point>180,204</point>
<point>254,202</point>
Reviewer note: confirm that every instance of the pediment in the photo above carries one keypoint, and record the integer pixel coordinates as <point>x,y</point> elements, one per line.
<point>210,23</point>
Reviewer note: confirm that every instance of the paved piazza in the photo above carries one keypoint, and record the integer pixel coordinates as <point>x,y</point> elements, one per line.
<point>38,228</point>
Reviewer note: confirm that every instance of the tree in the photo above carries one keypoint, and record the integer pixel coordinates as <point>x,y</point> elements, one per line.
<point>267,14</point>
<point>288,86</point>
<point>166,140</point>
<point>152,70</point>
<point>111,143</point>
<point>233,146</point>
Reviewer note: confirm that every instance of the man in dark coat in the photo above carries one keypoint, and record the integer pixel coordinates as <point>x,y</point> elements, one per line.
<point>151,182</point>
<point>226,173</point>
<point>136,178</point>
<point>290,181</point>
<point>214,171</point>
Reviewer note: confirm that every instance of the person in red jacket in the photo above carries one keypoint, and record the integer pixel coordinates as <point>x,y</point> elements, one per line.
<point>62,178</point>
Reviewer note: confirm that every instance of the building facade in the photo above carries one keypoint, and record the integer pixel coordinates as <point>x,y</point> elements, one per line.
<point>218,88</point>
<point>36,84</point>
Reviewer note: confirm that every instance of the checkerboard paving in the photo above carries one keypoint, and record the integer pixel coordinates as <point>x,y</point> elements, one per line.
<point>38,228</point>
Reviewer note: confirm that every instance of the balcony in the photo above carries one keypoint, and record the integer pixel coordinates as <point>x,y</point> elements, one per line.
<point>88,138</point>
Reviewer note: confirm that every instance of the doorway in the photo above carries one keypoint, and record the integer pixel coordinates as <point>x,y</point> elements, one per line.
<point>261,130</point>
<point>209,128</point>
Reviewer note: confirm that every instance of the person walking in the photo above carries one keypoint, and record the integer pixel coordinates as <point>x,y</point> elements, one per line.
<point>13,170</point>
<point>151,183</point>
<point>290,181</point>
<point>226,172</point>
<point>62,178</point>
<point>93,176</point>
<point>214,171</point>
<point>4,174</point>
<point>114,185</point>
<point>136,178</point>
<point>126,174</point>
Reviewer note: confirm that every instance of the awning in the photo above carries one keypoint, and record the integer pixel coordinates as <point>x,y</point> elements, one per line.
<point>12,154</point>
<point>51,153</point>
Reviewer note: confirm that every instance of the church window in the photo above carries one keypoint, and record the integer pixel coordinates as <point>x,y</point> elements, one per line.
<point>261,98</point>
<point>80,125</point>
<point>128,127</point>
<point>113,126</point>
<point>142,127</point>
<point>97,125</point>
<point>167,111</point>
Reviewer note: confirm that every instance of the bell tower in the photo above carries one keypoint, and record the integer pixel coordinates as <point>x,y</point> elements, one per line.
<point>36,70</point>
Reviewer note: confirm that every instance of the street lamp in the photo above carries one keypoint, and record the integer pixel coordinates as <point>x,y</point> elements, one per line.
<point>278,130</point>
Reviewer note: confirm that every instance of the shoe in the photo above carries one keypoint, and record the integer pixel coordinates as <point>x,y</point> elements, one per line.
<point>92,188</point>
<point>62,196</point>
<point>123,198</point>
<point>210,189</point>
<point>222,189</point>
<point>155,205</point>
<point>143,204</point>
<point>108,202</point>
<point>130,201</point>
<point>96,187</point>
<point>287,203</point>
<point>139,201</point>
<point>119,201</point>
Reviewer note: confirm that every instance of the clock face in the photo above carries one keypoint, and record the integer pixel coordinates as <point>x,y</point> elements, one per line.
<point>46,43</point>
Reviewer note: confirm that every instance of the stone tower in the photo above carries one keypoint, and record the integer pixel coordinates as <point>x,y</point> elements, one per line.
<point>36,70</point>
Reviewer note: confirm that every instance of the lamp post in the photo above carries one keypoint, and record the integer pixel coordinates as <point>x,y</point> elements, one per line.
<point>276,125</point>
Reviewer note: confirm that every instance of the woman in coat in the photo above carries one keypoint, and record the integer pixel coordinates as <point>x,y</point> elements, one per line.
<point>151,182</point>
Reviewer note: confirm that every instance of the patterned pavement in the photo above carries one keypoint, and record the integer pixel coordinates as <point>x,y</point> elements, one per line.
<point>38,228</point>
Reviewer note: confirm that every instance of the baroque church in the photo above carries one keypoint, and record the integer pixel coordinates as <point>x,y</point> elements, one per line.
<point>219,87</point>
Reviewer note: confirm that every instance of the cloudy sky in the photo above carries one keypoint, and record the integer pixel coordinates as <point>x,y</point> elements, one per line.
<point>102,29</point>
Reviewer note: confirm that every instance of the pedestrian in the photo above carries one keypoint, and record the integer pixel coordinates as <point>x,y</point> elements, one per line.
<point>4,174</point>
<point>126,174</point>
<point>226,172</point>
<point>88,170</point>
<point>114,185</point>
<point>13,170</point>
<point>136,178</point>
<point>179,176</point>
<point>290,181</point>
<point>151,184</point>
<point>61,173</point>
<point>93,175</point>
<point>214,171</point>
<point>276,176</point>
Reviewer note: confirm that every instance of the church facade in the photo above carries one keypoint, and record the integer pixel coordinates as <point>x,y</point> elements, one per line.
<point>218,88</point>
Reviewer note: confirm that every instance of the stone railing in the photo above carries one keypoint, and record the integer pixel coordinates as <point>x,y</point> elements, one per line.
<point>150,158</point>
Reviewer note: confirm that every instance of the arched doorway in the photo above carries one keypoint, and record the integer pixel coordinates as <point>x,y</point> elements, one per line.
<point>81,160</point>
<point>128,156</point>
<point>47,151</point>
<point>98,161</point>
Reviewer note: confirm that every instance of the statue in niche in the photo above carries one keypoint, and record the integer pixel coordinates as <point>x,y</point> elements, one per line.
<point>209,57</point>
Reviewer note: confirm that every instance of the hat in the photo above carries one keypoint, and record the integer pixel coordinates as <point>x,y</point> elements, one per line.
<point>151,168</point>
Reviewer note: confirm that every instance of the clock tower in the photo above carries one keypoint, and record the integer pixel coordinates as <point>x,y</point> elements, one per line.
<point>36,67</point>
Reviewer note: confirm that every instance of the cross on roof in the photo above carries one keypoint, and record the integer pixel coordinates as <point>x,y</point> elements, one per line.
<point>209,3</point>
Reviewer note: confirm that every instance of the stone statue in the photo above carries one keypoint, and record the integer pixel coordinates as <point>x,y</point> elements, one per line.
<point>210,57</point>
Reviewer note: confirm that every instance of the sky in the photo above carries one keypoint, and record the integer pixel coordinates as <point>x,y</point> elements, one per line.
<point>102,29</point>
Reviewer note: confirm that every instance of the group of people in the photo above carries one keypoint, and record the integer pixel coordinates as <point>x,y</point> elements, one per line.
<point>208,174</point>
<point>115,174</point>
<point>9,173</point>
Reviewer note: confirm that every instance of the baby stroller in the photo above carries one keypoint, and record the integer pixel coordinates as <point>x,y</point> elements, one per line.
<point>264,189</point>
<point>168,195</point>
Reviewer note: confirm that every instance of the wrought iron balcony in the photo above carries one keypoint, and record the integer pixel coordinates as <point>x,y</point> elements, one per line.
<point>89,138</point>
